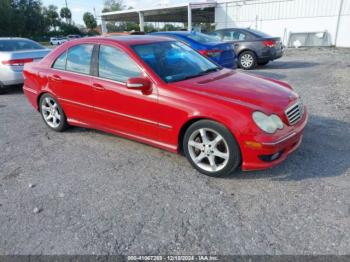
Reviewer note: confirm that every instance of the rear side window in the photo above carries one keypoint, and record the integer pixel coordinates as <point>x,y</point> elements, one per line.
<point>79,59</point>
<point>60,62</point>
<point>234,36</point>
<point>116,65</point>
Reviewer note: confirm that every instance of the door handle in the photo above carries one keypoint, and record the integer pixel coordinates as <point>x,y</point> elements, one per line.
<point>56,78</point>
<point>98,87</point>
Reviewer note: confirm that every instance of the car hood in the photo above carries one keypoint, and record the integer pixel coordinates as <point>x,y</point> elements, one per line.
<point>258,93</point>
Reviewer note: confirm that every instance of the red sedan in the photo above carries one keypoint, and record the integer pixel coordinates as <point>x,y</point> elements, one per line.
<point>161,92</point>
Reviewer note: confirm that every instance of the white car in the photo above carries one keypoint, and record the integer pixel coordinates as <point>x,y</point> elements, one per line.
<point>14,54</point>
<point>57,40</point>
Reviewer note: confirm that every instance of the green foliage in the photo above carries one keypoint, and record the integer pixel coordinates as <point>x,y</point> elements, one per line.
<point>51,16</point>
<point>29,18</point>
<point>171,27</point>
<point>113,5</point>
<point>66,14</point>
<point>89,21</point>
<point>122,26</point>
<point>21,18</point>
<point>69,29</point>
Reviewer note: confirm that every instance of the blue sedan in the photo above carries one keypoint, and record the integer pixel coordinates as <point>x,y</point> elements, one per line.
<point>209,46</point>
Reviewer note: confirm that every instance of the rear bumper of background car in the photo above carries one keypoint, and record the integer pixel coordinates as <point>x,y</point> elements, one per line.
<point>10,77</point>
<point>270,54</point>
<point>269,154</point>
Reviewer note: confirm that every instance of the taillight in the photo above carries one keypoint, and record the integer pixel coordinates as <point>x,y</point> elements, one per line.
<point>269,43</point>
<point>211,53</point>
<point>17,62</point>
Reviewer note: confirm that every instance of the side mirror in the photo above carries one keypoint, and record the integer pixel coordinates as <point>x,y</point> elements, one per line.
<point>139,83</point>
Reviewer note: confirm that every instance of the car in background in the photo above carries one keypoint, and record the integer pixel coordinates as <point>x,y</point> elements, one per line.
<point>252,47</point>
<point>14,54</point>
<point>58,40</point>
<point>72,37</point>
<point>217,51</point>
<point>161,92</point>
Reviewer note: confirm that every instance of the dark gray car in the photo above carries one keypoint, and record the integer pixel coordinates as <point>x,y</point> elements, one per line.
<point>251,46</point>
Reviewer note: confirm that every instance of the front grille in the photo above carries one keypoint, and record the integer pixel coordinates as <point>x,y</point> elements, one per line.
<point>295,112</point>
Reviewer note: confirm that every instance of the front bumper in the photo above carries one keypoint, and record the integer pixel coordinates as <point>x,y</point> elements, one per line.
<point>263,157</point>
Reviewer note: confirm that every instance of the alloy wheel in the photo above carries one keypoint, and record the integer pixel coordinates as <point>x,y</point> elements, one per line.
<point>247,60</point>
<point>50,112</point>
<point>208,150</point>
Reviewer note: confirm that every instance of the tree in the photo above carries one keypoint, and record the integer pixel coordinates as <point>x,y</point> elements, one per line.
<point>22,18</point>
<point>113,5</point>
<point>6,13</point>
<point>51,16</point>
<point>89,21</point>
<point>69,29</point>
<point>65,13</point>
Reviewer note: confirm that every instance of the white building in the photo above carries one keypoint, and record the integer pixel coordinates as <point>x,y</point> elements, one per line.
<point>276,17</point>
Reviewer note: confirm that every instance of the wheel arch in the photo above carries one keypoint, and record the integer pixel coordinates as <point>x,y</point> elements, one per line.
<point>245,50</point>
<point>193,120</point>
<point>38,100</point>
<point>39,97</point>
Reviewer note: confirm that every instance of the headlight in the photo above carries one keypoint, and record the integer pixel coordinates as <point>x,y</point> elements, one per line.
<point>268,124</point>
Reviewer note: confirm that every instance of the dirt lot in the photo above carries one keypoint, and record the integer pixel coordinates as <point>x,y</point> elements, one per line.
<point>101,194</point>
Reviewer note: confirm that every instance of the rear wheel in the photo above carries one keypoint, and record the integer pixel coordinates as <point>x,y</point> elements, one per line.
<point>2,91</point>
<point>211,148</point>
<point>247,60</point>
<point>52,113</point>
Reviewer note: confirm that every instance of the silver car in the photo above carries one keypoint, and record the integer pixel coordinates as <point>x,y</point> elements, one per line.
<point>14,53</point>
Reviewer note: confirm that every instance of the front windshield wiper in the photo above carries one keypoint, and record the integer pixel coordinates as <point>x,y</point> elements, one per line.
<point>210,70</point>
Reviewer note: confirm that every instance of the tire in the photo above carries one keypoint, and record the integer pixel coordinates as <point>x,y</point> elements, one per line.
<point>247,60</point>
<point>211,148</point>
<point>263,63</point>
<point>3,91</point>
<point>52,113</point>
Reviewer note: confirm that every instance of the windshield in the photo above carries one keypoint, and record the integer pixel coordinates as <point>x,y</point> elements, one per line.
<point>18,45</point>
<point>202,38</point>
<point>174,61</point>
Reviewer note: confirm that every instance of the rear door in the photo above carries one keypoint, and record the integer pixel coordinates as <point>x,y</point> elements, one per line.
<point>70,80</point>
<point>238,39</point>
<point>118,108</point>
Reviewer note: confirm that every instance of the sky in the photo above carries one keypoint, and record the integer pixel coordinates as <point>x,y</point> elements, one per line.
<point>79,7</point>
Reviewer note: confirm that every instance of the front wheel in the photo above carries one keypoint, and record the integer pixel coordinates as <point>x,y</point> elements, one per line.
<point>211,148</point>
<point>247,60</point>
<point>52,113</point>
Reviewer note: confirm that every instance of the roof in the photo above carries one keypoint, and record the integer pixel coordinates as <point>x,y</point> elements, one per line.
<point>125,39</point>
<point>173,33</point>
<point>201,12</point>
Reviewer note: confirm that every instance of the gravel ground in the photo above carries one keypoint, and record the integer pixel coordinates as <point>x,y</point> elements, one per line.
<point>94,193</point>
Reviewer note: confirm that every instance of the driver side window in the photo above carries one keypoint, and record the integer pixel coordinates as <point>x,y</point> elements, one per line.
<point>116,65</point>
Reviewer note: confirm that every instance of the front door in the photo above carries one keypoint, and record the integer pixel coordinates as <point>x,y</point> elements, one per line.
<point>118,108</point>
